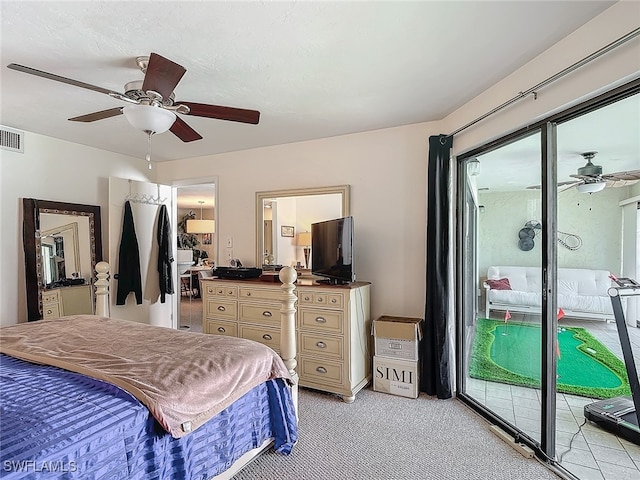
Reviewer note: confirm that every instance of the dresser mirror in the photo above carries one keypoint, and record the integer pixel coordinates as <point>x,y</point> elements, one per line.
<point>62,244</point>
<point>282,215</point>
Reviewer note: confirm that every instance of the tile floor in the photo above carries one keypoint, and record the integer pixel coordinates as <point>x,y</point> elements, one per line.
<point>594,454</point>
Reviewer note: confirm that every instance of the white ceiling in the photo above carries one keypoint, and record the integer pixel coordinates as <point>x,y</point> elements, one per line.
<point>313,69</point>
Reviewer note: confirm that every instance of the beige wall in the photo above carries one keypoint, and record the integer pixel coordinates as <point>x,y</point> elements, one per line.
<point>386,170</point>
<point>50,169</point>
<point>387,173</point>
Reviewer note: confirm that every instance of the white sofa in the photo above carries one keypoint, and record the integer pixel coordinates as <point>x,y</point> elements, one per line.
<point>581,292</point>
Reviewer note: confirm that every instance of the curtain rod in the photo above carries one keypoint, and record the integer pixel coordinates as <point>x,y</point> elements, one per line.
<point>533,90</point>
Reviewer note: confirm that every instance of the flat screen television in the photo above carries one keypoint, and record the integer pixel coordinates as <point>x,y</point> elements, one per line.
<point>332,250</point>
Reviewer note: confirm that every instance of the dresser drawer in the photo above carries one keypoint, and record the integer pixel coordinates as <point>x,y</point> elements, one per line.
<point>51,311</point>
<point>321,345</point>
<point>324,320</point>
<point>221,308</point>
<point>50,297</point>
<point>220,327</point>
<point>230,291</point>
<point>320,371</point>
<point>248,293</point>
<point>265,313</point>
<point>333,300</point>
<point>266,335</point>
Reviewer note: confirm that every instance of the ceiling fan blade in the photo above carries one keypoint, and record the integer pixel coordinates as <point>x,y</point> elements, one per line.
<point>92,117</point>
<point>569,185</point>
<point>629,175</point>
<point>559,184</point>
<point>183,131</point>
<point>58,78</point>
<point>162,75</point>
<point>222,113</point>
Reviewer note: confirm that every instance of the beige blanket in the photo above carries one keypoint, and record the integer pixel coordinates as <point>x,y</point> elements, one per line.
<point>183,378</point>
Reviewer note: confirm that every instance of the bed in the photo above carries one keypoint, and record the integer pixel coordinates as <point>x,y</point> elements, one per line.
<point>78,402</point>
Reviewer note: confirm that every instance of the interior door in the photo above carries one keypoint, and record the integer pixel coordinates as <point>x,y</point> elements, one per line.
<point>145,199</point>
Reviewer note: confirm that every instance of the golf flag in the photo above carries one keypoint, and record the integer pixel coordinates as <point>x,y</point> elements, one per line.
<point>507,316</point>
<point>558,349</point>
<point>560,313</point>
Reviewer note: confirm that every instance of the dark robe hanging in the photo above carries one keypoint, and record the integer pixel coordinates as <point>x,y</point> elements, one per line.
<point>165,256</point>
<point>128,276</point>
<point>436,354</point>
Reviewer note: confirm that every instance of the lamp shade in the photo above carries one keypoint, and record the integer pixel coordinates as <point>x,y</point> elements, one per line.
<point>591,187</point>
<point>201,226</point>
<point>304,239</point>
<point>149,118</point>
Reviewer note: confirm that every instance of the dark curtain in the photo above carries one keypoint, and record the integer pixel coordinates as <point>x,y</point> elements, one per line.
<point>435,351</point>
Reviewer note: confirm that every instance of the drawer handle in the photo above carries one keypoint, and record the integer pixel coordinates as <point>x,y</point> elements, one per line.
<point>221,308</point>
<point>333,300</point>
<point>230,292</point>
<point>221,329</point>
<point>220,291</point>
<point>306,299</point>
<point>321,320</point>
<point>266,336</point>
<point>267,313</point>
<point>320,299</point>
<point>248,294</point>
<point>321,345</point>
<point>49,312</point>
<point>321,370</point>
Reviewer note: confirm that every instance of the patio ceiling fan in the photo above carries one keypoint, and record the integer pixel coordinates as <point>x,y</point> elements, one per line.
<point>152,107</point>
<point>590,178</point>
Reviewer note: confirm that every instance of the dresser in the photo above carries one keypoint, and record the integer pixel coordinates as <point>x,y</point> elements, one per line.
<point>333,327</point>
<point>73,300</point>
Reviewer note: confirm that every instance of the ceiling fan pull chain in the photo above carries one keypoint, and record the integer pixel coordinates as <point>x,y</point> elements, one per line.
<point>149,150</point>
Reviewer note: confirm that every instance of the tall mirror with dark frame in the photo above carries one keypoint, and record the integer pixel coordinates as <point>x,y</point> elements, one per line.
<point>284,218</point>
<point>62,244</point>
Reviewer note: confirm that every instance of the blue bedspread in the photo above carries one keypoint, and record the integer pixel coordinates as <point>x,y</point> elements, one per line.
<point>56,424</point>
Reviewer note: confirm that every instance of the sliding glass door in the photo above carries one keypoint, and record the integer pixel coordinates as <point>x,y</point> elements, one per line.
<point>543,220</point>
<point>502,271</point>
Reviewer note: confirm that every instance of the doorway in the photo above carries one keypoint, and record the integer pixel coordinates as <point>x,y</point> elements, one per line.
<point>197,247</point>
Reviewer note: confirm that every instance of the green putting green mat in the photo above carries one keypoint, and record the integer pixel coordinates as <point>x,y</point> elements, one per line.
<point>511,353</point>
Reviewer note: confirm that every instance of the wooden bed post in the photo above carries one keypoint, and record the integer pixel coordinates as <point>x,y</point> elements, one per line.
<point>102,289</point>
<point>288,277</point>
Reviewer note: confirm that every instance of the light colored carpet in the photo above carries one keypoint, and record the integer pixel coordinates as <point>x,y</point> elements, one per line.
<point>386,437</point>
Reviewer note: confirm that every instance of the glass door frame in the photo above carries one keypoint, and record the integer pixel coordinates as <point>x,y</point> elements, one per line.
<point>545,449</point>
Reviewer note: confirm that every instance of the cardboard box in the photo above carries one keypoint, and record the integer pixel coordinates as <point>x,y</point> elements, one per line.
<point>397,337</point>
<point>397,377</point>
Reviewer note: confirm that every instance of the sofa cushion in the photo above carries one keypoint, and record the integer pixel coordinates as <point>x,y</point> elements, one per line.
<point>522,279</point>
<point>586,303</point>
<point>578,289</point>
<point>500,284</point>
<point>514,297</point>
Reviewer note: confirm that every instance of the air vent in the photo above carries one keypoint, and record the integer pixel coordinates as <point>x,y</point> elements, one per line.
<point>11,139</point>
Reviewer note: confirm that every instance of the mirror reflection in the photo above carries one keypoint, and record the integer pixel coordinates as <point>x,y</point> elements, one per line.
<point>60,247</point>
<point>62,244</point>
<point>284,219</point>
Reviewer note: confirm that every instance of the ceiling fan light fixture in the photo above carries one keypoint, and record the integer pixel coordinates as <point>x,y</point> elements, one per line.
<point>591,187</point>
<point>149,118</point>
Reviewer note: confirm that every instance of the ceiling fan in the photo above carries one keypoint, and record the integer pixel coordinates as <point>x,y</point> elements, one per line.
<point>591,179</point>
<point>152,105</point>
